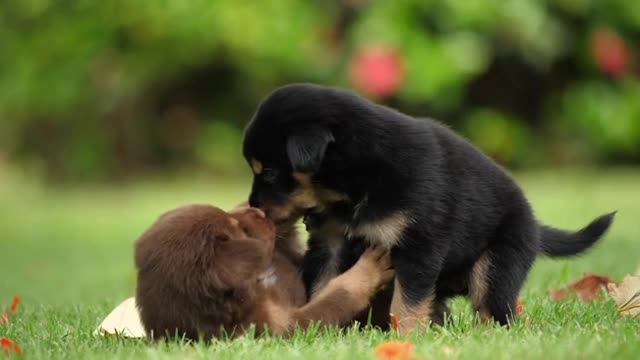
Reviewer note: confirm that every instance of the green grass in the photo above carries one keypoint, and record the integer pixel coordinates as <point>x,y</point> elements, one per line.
<point>68,253</point>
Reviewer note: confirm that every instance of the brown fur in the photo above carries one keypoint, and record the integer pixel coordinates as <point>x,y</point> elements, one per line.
<point>201,272</point>
<point>256,166</point>
<point>479,285</point>
<point>410,316</point>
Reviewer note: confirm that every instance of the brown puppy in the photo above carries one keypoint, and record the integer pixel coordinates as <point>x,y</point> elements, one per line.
<point>205,272</point>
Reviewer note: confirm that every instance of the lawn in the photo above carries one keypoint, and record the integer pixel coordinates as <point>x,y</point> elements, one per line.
<point>68,253</point>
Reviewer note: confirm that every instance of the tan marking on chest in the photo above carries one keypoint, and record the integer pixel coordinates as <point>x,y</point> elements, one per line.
<point>386,232</point>
<point>256,166</point>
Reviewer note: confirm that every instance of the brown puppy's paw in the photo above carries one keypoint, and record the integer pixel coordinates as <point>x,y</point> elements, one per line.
<point>375,267</point>
<point>368,275</point>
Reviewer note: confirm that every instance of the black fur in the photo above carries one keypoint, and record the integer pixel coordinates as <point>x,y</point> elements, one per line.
<point>306,148</point>
<point>461,203</point>
<point>562,243</point>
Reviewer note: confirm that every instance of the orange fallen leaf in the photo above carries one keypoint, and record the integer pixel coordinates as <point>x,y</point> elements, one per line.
<point>399,350</point>
<point>14,304</point>
<point>395,323</point>
<point>587,288</point>
<point>519,307</point>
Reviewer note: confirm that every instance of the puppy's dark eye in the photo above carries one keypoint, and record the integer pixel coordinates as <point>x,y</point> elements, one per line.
<point>227,294</point>
<point>269,175</point>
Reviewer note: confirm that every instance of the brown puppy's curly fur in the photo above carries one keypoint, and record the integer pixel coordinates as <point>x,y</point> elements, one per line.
<point>205,272</point>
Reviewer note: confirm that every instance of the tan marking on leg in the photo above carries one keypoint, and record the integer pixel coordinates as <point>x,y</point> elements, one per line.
<point>410,317</point>
<point>386,232</point>
<point>256,166</point>
<point>479,285</point>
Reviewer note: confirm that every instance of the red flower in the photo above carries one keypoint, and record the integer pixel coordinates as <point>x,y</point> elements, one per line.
<point>9,346</point>
<point>400,350</point>
<point>610,52</point>
<point>6,344</point>
<point>4,319</point>
<point>14,305</point>
<point>377,71</point>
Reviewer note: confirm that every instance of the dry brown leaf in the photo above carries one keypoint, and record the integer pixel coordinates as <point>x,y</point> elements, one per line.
<point>627,295</point>
<point>587,288</point>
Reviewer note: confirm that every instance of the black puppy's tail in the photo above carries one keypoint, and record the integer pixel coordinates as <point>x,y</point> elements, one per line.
<point>556,242</point>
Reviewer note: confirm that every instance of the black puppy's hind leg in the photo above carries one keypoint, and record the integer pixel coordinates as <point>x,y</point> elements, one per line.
<point>498,275</point>
<point>414,294</point>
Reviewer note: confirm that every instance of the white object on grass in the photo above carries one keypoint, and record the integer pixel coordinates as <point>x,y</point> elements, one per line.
<point>124,320</point>
<point>626,294</point>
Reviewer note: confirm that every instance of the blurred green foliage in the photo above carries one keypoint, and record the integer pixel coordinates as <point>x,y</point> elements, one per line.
<point>92,89</point>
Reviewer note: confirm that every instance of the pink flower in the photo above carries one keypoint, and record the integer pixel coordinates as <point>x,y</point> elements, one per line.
<point>377,71</point>
<point>610,52</point>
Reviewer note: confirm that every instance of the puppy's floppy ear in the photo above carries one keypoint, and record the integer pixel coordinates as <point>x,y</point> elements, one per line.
<point>306,148</point>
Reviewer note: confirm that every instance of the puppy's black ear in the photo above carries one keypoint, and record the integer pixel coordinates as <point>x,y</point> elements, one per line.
<point>306,148</point>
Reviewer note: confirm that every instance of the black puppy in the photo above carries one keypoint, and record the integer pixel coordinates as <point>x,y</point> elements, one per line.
<point>455,222</point>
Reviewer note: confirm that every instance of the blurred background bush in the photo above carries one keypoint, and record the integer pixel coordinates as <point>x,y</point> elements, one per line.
<point>102,90</point>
